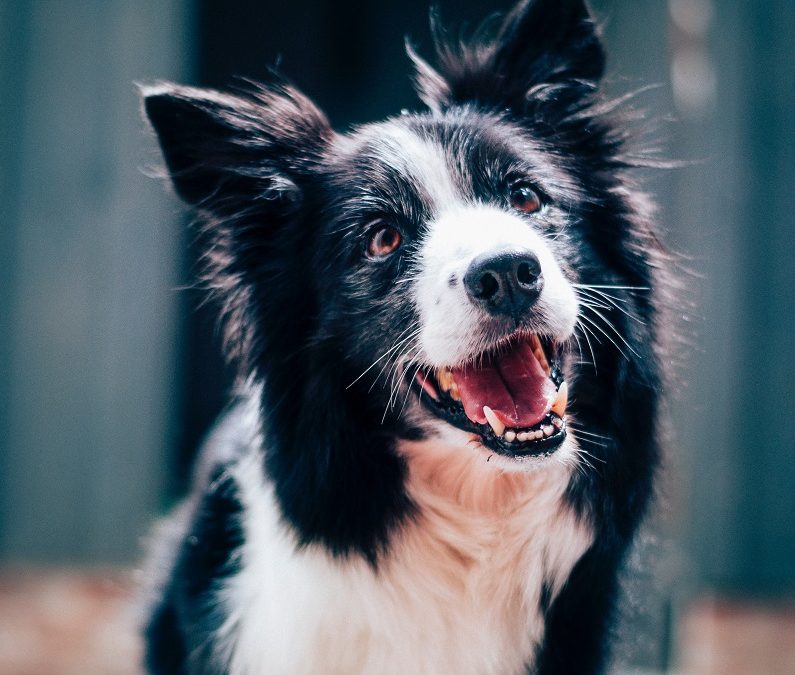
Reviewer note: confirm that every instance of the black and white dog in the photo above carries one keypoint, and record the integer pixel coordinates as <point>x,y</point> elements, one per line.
<point>446,327</point>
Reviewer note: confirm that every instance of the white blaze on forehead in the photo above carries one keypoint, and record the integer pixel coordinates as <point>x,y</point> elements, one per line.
<point>420,160</point>
<point>450,322</point>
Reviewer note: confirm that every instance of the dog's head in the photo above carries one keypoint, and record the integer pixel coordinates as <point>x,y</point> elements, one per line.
<point>439,273</point>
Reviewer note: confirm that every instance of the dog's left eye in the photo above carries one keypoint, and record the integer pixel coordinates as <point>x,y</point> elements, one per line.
<point>384,240</point>
<point>524,198</point>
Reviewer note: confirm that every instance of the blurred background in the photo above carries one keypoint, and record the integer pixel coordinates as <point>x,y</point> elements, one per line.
<point>110,373</point>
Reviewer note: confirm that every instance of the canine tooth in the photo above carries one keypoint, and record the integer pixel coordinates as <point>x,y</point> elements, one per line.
<point>548,429</point>
<point>493,420</point>
<point>561,401</point>
<point>557,422</point>
<point>538,352</point>
<point>445,378</point>
<point>455,392</point>
<point>542,360</point>
<point>510,436</point>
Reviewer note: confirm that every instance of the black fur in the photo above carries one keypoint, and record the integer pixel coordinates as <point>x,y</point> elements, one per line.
<point>180,629</point>
<point>285,216</point>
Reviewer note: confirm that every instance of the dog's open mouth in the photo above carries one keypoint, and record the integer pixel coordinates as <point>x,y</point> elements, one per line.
<point>513,397</point>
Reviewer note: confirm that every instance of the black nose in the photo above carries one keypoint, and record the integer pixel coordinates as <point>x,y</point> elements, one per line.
<point>507,283</point>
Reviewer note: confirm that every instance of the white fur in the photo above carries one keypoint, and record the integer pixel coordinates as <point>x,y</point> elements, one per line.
<point>458,593</point>
<point>420,160</point>
<point>460,234</point>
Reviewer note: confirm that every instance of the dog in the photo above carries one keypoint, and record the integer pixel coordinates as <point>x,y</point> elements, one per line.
<point>446,327</point>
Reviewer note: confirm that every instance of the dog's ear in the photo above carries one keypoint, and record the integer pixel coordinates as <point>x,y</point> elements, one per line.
<point>227,152</point>
<point>547,46</point>
<point>245,162</point>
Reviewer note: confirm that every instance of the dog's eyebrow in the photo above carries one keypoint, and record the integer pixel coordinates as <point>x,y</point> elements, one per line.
<point>421,161</point>
<point>387,195</point>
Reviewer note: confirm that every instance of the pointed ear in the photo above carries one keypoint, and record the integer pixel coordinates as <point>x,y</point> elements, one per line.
<point>225,151</point>
<point>551,44</point>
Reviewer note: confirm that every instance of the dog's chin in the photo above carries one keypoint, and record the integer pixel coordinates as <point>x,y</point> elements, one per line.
<point>510,401</point>
<point>454,442</point>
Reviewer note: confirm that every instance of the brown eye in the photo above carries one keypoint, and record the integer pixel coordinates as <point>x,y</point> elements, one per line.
<point>524,198</point>
<point>384,240</point>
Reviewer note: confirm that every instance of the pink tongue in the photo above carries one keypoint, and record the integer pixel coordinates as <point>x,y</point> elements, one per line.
<point>513,385</point>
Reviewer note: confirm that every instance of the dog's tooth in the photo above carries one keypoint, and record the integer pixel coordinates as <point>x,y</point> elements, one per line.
<point>557,422</point>
<point>510,436</point>
<point>525,436</point>
<point>548,429</point>
<point>444,378</point>
<point>538,435</point>
<point>455,392</point>
<point>538,352</point>
<point>493,420</point>
<point>542,359</point>
<point>561,400</point>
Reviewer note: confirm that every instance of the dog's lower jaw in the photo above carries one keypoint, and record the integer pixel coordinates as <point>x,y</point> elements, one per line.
<point>447,439</point>
<point>461,589</point>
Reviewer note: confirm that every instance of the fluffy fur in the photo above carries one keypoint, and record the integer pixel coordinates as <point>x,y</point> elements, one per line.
<point>336,524</point>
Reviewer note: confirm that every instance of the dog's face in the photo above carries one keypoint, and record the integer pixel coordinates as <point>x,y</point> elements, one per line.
<point>478,271</point>
<point>443,242</point>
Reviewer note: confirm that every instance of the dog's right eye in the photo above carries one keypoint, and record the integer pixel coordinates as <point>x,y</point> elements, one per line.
<point>383,241</point>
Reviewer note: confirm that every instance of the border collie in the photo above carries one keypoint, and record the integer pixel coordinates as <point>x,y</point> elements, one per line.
<point>445,323</point>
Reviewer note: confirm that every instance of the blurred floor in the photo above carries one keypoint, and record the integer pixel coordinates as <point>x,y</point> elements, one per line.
<point>720,637</point>
<point>83,623</point>
<point>67,623</point>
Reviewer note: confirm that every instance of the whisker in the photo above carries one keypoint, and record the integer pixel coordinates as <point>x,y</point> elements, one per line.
<point>594,293</point>
<point>579,347</point>
<point>593,442</point>
<point>588,433</point>
<point>596,326</point>
<point>574,463</point>
<point>594,457</point>
<point>625,311</point>
<point>616,288</point>
<point>395,387</point>
<point>391,362</point>
<point>582,460</point>
<point>397,383</point>
<point>585,332</point>
<point>398,376</point>
<point>612,326</point>
<point>408,388</point>
<point>614,304</point>
<point>408,278</point>
<point>385,354</point>
<point>589,302</point>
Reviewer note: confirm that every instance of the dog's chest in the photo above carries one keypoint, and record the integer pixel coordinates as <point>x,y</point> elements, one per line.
<point>460,592</point>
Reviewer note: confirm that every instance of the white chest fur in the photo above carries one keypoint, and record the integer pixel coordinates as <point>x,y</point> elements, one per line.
<point>458,593</point>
